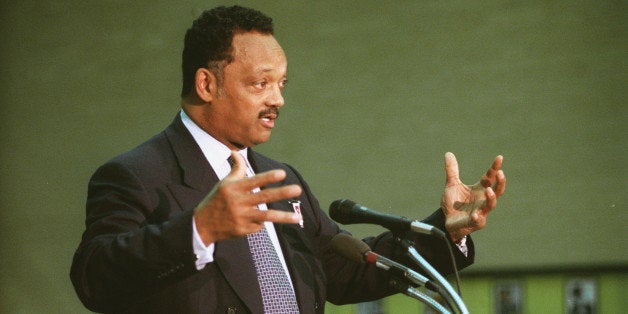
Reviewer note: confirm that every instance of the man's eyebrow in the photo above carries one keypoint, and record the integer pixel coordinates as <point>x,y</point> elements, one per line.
<point>265,70</point>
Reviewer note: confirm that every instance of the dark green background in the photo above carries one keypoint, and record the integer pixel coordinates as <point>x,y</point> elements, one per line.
<point>378,93</point>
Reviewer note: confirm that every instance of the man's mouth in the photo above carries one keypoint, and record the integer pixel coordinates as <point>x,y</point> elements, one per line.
<point>268,116</point>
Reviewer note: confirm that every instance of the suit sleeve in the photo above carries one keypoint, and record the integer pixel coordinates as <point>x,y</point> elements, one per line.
<point>122,257</point>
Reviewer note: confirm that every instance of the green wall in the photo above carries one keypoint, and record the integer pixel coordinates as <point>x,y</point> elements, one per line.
<point>378,92</point>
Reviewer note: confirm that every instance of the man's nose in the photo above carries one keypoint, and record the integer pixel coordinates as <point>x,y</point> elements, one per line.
<point>275,98</point>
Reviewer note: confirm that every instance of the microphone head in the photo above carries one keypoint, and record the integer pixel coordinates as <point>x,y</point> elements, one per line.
<point>342,211</point>
<point>348,212</point>
<point>349,247</point>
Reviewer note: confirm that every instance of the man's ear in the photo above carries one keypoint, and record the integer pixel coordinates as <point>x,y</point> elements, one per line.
<point>205,84</point>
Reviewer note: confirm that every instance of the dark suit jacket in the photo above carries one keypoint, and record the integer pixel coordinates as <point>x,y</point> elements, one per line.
<point>136,252</point>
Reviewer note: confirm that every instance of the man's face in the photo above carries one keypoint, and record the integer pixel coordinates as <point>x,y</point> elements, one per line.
<point>243,112</point>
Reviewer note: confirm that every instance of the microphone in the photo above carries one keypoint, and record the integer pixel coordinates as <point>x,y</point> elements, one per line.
<point>348,212</point>
<point>358,251</point>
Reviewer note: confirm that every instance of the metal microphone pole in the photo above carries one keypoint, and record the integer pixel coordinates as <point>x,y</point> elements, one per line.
<point>417,294</point>
<point>412,252</point>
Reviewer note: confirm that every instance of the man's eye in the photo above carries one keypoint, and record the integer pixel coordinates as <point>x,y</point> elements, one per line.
<point>283,83</point>
<point>260,85</point>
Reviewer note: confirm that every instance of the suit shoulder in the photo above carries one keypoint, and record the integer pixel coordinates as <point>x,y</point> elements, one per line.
<point>146,154</point>
<point>150,162</point>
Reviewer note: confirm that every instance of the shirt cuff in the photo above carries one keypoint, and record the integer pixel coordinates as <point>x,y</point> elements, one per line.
<point>204,254</point>
<point>462,246</point>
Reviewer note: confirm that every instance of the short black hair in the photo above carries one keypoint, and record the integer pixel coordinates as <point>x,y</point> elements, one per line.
<point>207,43</point>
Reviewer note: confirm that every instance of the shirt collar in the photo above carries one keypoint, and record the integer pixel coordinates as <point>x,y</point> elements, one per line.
<point>214,151</point>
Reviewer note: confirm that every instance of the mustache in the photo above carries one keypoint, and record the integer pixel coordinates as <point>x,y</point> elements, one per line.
<point>270,111</point>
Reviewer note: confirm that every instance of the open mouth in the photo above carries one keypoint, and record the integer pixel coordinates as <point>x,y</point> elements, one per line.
<point>268,116</point>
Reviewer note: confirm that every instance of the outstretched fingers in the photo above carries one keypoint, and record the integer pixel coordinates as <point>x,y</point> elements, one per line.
<point>451,170</point>
<point>500,186</point>
<point>264,195</point>
<point>491,175</point>
<point>490,202</point>
<point>277,216</point>
<point>238,172</point>
<point>271,195</point>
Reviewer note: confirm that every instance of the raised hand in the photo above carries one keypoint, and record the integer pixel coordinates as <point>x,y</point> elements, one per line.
<point>230,209</point>
<point>466,207</point>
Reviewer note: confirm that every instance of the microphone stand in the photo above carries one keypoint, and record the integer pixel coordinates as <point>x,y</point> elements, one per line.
<point>416,294</point>
<point>412,252</point>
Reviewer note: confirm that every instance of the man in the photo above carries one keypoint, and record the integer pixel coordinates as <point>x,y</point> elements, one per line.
<point>173,225</point>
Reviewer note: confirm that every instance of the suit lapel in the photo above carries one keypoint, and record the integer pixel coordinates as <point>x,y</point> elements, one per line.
<point>196,171</point>
<point>232,257</point>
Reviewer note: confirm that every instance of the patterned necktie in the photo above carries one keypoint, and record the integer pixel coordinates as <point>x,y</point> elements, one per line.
<point>277,292</point>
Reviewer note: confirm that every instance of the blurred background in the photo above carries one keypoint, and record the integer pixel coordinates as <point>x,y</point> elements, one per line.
<point>378,92</point>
